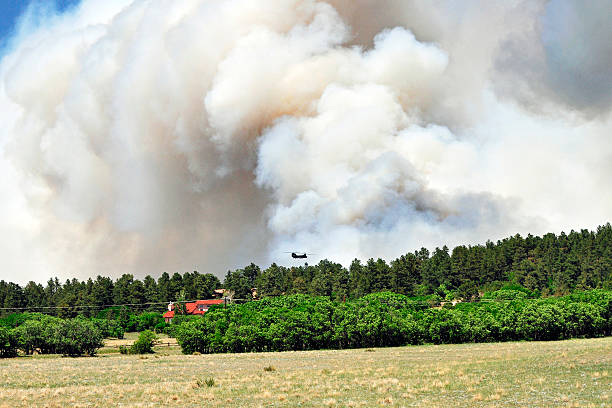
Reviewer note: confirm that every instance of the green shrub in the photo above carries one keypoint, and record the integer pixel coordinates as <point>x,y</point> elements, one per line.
<point>193,336</point>
<point>160,327</point>
<point>144,344</point>
<point>445,326</point>
<point>149,320</point>
<point>541,321</point>
<point>75,337</point>
<point>109,328</point>
<point>37,335</point>
<point>506,294</point>
<point>583,320</point>
<point>17,319</point>
<point>8,342</point>
<point>31,337</point>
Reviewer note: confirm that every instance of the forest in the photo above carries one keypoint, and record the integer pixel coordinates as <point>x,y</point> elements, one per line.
<point>548,265</point>
<point>534,288</point>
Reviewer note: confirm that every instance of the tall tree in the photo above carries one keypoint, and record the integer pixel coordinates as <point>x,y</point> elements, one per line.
<point>163,288</point>
<point>238,284</point>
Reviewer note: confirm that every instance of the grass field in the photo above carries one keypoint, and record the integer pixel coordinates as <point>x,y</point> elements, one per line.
<point>111,345</point>
<point>573,373</point>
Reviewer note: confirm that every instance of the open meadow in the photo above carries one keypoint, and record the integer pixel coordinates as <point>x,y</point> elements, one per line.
<point>571,373</point>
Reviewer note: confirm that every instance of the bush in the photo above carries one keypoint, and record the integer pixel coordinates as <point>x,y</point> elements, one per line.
<point>8,342</point>
<point>160,327</point>
<point>37,335</point>
<point>506,294</point>
<point>17,319</point>
<point>31,337</point>
<point>149,321</point>
<point>583,320</point>
<point>109,328</point>
<point>75,337</point>
<point>144,344</point>
<point>445,326</point>
<point>193,336</point>
<point>541,321</point>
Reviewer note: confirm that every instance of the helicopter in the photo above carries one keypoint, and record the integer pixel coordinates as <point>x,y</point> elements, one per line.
<point>299,255</point>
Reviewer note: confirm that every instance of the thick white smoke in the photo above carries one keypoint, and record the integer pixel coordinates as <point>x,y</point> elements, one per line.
<point>143,136</point>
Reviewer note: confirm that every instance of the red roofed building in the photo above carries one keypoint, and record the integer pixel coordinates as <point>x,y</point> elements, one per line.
<point>199,307</point>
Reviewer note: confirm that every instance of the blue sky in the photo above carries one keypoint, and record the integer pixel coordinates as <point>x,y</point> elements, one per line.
<point>10,10</point>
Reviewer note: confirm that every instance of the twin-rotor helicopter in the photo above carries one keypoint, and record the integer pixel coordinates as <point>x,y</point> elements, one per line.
<point>299,255</point>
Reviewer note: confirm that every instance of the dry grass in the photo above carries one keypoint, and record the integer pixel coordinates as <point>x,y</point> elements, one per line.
<point>574,373</point>
<point>130,338</point>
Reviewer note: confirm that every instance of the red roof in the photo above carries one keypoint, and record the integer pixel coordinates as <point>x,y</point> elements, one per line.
<point>192,307</point>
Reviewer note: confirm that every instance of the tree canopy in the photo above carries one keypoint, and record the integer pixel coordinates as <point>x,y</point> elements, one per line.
<point>550,264</point>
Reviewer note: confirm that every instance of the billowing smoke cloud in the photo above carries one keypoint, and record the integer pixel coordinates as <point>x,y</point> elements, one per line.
<point>143,136</point>
<point>562,55</point>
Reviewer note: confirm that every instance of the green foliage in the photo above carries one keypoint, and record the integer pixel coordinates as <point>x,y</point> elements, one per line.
<point>160,327</point>
<point>193,336</point>
<point>109,328</point>
<point>8,343</point>
<point>547,265</point>
<point>513,273</point>
<point>47,334</point>
<point>238,284</point>
<point>505,294</point>
<point>177,321</point>
<point>17,319</point>
<point>541,321</point>
<point>144,344</point>
<point>76,337</point>
<point>148,321</point>
<point>37,335</point>
<point>301,322</point>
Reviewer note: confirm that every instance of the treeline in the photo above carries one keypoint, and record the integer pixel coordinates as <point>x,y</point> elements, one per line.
<point>52,335</point>
<point>111,322</point>
<point>550,265</point>
<point>88,298</point>
<point>44,334</point>
<point>303,322</point>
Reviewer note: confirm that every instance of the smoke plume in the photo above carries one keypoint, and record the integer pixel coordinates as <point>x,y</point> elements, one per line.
<point>147,136</point>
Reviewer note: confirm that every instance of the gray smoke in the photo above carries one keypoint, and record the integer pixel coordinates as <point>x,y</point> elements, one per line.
<point>143,136</point>
<point>562,56</point>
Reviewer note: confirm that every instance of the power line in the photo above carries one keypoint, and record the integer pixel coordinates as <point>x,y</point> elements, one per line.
<point>96,306</point>
<point>415,302</point>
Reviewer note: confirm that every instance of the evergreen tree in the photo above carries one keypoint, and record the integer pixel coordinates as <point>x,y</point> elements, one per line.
<point>163,288</point>
<point>205,285</point>
<point>151,293</point>
<point>359,281</point>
